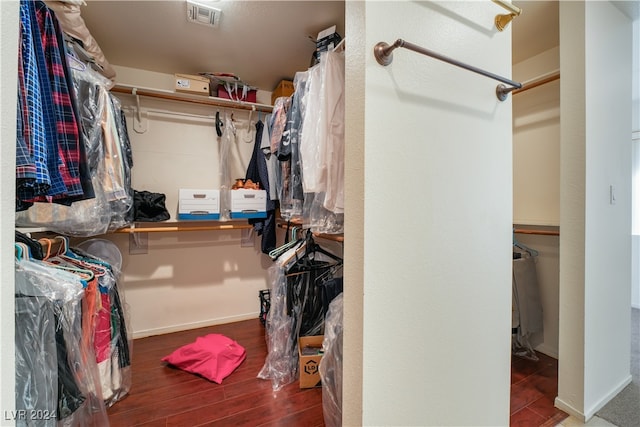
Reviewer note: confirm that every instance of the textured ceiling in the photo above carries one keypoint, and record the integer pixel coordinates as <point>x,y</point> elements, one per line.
<point>259,41</point>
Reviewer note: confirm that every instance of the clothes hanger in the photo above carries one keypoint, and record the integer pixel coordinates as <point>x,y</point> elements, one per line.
<point>330,272</point>
<point>523,247</point>
<point>70,260</point>
<point>63,247</point>
<point>317,248</point>
<point>84,274</point>
<point>56,262</point>
<point>313,246</point>
<point>75,63</point>
<point>46,247</point>
<point>219,124</point>
<point>275,253</point>
<point>21,250</point>
<point>310,247</point>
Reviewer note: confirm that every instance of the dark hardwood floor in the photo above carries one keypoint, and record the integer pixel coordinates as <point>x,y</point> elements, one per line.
<point>534,387</point>
<point>164,396</point>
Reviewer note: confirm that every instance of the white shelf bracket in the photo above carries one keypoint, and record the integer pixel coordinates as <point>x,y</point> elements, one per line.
<point>140,122</point>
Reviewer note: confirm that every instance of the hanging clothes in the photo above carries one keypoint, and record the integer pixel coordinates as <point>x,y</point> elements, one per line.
<point>67,151</point>
<point>526,305</point>
<point>309,143</point>
<point>296,306</point>
<point>55,371</point>
<point>257,172</point>
<point>289,153</point>
<point>270,157</point>
<point>72,348</point>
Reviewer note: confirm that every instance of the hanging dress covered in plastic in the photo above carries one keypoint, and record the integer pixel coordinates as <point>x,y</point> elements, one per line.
<point>331,364</point>
<point>73,353</point>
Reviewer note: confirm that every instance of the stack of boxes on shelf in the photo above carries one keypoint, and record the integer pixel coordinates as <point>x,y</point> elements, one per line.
<point>204,204</point>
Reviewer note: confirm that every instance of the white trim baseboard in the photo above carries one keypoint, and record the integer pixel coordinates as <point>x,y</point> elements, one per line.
<point>605,399</point>
<point>195,325</point>
<point>548,350</point>
<point>588,414</point>
<point>563,406</point>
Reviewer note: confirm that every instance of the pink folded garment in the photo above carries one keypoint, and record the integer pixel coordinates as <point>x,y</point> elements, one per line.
<point>213,357</point>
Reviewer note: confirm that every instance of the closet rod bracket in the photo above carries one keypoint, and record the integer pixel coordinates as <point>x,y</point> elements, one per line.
<point>139,123</point>
<point>502,91</point>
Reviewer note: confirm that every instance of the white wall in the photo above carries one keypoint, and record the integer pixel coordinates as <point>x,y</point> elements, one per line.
<point>536,181</point>
<point>9,65</point>
<point>636,76</point>
<point>595,243</point>
<point>635,238</point>
<point>437,219</point>
<point>536,144</point>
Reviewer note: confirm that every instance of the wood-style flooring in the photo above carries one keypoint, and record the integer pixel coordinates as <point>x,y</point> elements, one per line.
<point>164,396</point>
<point>534,387</point>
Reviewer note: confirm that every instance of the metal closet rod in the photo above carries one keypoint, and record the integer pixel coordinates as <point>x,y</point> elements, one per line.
<point>536,231</point>
<point>383,53</point>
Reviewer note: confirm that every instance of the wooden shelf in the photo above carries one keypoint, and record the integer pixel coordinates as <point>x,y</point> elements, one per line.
<point>334,237</point>
<point>174,227</point>
<point>193,99</point>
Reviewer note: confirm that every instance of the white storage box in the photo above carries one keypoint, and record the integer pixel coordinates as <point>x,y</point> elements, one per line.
<point>199,204</point>
<point>248,203</point>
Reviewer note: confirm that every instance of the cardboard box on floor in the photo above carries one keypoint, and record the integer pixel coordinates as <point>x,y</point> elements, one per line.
<point>310,354</point>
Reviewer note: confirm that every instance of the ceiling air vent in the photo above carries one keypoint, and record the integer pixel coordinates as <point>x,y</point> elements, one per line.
<point>203,14</point>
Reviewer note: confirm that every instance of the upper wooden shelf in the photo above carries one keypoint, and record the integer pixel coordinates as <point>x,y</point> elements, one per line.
<point>193,99</point>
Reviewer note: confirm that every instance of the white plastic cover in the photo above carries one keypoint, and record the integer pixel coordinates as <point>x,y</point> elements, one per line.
<point>331,364</point>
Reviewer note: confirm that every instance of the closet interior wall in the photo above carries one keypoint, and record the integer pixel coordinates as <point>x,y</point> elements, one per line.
<point>181,280</point>
<point>536,181</point>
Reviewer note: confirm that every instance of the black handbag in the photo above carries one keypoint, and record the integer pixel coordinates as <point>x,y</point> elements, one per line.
<point>149,207</point>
